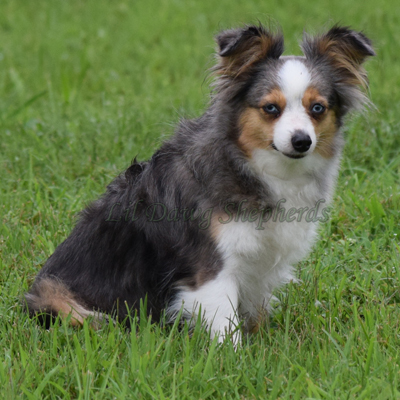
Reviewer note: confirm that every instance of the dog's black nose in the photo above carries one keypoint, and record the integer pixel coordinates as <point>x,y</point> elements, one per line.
<point>301,141</point>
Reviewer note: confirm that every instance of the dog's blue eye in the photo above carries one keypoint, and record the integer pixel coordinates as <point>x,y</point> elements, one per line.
<point>317,108</point>
<point>271,109</point>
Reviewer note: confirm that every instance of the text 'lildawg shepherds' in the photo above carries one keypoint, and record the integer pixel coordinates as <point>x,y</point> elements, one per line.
<point>157,212</point>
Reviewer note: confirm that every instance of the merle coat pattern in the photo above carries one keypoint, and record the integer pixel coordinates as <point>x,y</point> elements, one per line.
<point>115,256</point>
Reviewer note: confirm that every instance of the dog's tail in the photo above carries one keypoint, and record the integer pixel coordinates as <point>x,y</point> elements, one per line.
<point>49,297</point>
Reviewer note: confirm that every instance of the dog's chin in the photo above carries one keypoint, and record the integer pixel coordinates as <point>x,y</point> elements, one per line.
<point>289,155</point>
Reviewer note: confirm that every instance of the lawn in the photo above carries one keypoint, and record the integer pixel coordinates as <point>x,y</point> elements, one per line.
<point>85,86</point>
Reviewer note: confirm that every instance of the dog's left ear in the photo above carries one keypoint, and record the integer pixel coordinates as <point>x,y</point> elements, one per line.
<point>239,49</point>
<point>345,50</point>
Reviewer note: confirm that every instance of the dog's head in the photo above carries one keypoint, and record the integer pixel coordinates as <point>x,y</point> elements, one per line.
<point>291,105</point>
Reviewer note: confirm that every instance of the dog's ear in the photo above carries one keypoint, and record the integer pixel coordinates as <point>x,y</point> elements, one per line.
<point>239,49</point>
<point>345,50</point>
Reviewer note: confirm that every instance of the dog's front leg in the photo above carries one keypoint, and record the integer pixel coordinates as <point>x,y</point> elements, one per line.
<point>217,303</point>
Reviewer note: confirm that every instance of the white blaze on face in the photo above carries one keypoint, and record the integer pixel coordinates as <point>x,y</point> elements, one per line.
<point>294,78</point>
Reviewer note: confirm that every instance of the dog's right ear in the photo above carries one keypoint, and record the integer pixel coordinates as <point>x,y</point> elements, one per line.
<point>239,49</point>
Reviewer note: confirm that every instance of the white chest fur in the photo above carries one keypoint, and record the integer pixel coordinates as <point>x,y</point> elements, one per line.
<point>258,260</point>
<point>260,256</point>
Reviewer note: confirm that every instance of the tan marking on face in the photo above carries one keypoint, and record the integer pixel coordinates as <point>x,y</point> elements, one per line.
<point>275,96</point>
<point>312,96</point>
<point>325,125</point>
<point>257,126</point>
<point>326,130</point>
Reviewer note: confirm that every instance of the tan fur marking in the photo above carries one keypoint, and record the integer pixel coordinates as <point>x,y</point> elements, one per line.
<point>215,226</point>
<point>203,275</point>
<point>275,96</point>
<point>253,324</point>
<point>325,125</point>
<point>256,131</point>
<point>346,57</point>
<point>312,96</point>
<point>257,48</point>
<point>326,131</point>
<point>53,296</point>
<point>257,127</point>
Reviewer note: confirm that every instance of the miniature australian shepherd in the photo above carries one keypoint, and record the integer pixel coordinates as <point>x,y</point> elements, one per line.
<point>215,220</point>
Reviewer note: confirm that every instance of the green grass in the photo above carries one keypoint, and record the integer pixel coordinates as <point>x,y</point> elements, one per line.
<point>88,85</point>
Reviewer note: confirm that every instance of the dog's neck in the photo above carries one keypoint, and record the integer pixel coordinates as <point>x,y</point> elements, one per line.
<point>281,173</point>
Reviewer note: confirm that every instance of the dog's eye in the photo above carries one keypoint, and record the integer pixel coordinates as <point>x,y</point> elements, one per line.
<point>271,109</point>
<point>317,109</point>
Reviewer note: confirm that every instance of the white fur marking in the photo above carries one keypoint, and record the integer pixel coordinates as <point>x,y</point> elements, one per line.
<point>218,300</point>
<point>294,79</point>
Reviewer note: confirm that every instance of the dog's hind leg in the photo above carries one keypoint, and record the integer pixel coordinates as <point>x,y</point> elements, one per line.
<point>50,297</point>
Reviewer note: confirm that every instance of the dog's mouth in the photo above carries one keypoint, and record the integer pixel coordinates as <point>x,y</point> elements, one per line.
<point>293,156</point>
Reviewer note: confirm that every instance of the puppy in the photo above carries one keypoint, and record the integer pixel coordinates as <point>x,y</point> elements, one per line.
<point>216,219</point>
